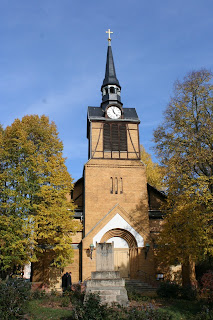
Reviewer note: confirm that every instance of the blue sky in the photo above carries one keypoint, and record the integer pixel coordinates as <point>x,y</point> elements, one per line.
<point>53,55</point>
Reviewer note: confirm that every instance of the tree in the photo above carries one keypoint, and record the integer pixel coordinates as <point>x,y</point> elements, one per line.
<point>36,218</point>
<point>184,143</point>
<point>154,172</point>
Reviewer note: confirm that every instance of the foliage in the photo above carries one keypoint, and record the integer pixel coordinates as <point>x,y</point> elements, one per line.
<point>43,310</point>
<point>207,285</point>
<point>206,314</point>
<point>14,295</point>
<point>154,172</point>
<point>184,143</point>
<point>188,293</point>
<point>75,295</point>
<point>136,296</point>
<point>175,291</point>
<point>204,266</point>
<point>65,301</point>
<point>157,308</point>
<point>38,294</point>
<point>168,290</point>
<point>35,217</point>
<point>93,309</point>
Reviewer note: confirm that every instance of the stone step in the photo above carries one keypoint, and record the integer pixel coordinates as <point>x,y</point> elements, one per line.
<point>138,285</point>
<point>105,283</point>
<point>109,299</point>
<point>105,275</point>
<point>105,292</point>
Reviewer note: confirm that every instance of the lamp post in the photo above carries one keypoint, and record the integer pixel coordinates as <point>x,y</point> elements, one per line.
<point>91,248</point>
<point>147,246</point>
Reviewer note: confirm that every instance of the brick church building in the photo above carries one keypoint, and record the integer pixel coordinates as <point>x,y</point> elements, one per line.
<point>114,201</point>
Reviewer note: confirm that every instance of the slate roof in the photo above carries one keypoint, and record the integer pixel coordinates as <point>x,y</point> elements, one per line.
<point>97,113</point>
<point>110,74</point>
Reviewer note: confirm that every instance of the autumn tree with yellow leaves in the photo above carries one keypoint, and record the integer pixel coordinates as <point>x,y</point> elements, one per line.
<point>35,216</point>
<point>184,143</point>
<point>154,172</point>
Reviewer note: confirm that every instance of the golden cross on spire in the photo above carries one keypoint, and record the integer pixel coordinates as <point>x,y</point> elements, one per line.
<point>109,38</point>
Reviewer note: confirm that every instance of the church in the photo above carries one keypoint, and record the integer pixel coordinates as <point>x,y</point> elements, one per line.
<point>114,201</point>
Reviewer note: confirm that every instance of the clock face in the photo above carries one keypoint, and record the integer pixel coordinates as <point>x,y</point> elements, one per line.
<point>114,112</point>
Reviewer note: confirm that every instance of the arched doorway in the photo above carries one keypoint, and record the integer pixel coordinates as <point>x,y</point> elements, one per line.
<point>124,244</point>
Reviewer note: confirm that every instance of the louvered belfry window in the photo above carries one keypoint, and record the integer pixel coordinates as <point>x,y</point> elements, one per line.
<point>115,137</point>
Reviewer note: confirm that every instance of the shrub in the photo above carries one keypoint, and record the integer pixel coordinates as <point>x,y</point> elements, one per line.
<point>175,291</point>
<point>92,309</point>
<point>206,314</point>
<point>14,295</point>
<point>188,293</point>
<point>168,290</point>
<point>65,301</point>
<point>38,294</point>
<point>76,295</point>
<point>207,285</point>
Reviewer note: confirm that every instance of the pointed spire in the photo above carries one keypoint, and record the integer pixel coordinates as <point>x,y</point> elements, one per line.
<point>110,74</point>
<point>111,87</point>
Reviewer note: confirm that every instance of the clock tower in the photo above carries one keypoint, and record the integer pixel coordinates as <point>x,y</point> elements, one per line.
<point>115,186</point>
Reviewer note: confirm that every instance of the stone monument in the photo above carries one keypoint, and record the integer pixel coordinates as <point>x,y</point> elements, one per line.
<point>106,282</point>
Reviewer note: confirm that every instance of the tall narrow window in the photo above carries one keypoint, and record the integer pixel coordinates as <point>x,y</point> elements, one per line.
<point>116,185</point>
<point>115,137</point>
<point>111,187</point>
<point>121,185</point>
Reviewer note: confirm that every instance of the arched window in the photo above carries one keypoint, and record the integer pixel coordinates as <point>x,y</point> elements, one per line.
<point>112,90</point>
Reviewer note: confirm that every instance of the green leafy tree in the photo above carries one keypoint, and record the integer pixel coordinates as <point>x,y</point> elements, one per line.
<point>36,219</point>
<point>154,172</point>
<point>184,143</point>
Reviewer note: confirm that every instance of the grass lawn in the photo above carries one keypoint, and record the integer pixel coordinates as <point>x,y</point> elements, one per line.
<point>56,308</point>
<point>45,309</point>
<point>181,309</point>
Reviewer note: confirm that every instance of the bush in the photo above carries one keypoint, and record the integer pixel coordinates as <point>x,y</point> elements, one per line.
<point>175,291</point>
<point>76,295</point>
<point>204,315</point>
<point>92,309</point>
<point>38,294</point>
<point>65,301</point>
<point>14,295</point>
<point>135,296</point>
<point>188,293</point>
<point>168,290</point>
<point>207,285</point>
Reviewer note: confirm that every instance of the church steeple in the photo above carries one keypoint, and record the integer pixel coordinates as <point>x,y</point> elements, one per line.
<point>110,74</point>
<point>111,87</point>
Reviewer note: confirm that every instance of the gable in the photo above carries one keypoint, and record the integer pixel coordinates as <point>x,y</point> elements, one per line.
<point>118,222</point>
<point>155,198</point>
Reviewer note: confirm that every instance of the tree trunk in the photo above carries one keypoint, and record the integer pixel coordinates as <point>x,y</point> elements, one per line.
<point>188,274</point>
